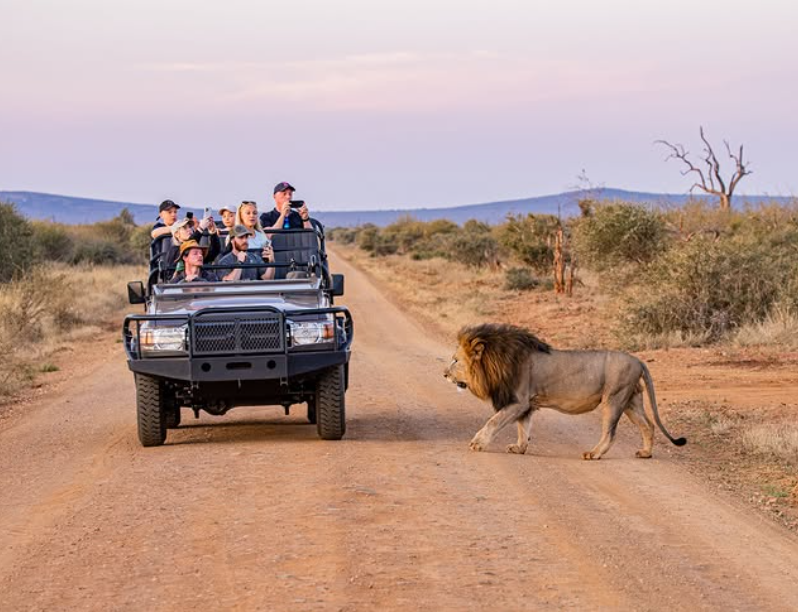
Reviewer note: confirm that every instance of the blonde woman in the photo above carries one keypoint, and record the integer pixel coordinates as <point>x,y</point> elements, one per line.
<point>247,215</point>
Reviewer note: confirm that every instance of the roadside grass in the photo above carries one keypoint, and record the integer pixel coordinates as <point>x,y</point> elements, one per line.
<point>779,328</point>
<point>749,451</point>
<point>44,312</point>
<point>776,441</point>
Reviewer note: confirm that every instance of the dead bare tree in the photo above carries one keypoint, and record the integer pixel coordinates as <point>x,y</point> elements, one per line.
<point>711,182</point>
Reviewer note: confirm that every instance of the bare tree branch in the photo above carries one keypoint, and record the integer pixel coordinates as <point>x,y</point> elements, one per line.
<point>712,182</point>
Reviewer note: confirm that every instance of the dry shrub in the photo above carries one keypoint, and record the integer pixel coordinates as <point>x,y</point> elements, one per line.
<point>42,310</point>
<point>520,279</point>
<point>777,441</point>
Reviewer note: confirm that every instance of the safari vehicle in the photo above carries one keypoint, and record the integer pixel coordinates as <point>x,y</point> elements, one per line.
<point>214,346</point>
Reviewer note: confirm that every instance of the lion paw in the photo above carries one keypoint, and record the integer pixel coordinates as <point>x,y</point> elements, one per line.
<point>589,455</point>
<point>643,454</point>
<point>516,449</point>
<point>476,446</point>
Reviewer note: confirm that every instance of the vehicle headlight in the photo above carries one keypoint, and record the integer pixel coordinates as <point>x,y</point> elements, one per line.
<point>164,339</point>
<point>311,332</point>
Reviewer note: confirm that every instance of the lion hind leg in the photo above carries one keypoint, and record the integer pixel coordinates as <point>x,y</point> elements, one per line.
<point>524,430</point>
<point>609,423</point>
<point>496,423</point>
<point>637,414</point>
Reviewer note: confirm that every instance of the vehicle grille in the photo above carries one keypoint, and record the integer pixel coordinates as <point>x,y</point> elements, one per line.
<point>245,333</point>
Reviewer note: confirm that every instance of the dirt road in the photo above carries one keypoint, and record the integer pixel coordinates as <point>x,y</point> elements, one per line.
<point>253,512</point>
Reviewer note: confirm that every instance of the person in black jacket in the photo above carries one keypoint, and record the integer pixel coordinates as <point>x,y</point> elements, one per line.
<point>282,216</point>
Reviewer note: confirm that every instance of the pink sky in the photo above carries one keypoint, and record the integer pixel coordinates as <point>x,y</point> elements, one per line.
<point>374,105</point>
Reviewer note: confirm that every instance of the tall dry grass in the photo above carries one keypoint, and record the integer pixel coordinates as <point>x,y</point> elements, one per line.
<point>774,440</point>
<point>779,328</point>
<point>51,307</point>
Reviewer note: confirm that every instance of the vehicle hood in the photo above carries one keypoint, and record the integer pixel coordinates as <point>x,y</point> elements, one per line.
<point>189,298</point>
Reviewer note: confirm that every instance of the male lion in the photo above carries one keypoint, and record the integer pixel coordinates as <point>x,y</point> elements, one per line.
<point>518,374</point>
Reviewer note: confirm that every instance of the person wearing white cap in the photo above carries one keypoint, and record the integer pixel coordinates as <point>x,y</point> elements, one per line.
<point>228,215</point>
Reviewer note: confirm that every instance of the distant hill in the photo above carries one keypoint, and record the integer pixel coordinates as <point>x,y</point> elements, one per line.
<point>67,209</point>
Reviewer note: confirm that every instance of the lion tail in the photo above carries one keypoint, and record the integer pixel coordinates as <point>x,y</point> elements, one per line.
<point>653,401</point>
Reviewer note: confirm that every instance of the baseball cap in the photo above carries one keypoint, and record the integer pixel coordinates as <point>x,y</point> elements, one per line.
<point>166,205</point>
<point>178,224</point>
<point>283,186</point>
<point>241,230</point>
<point>228,209</point>
<point>191,244</point>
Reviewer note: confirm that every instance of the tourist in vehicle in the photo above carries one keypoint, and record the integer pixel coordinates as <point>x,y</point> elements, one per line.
<point>241,254</point>
<point>190,229</point>
<point>283,216</point>
<point>167,215</point>
<point>247,215</point>
<point>228,216</point>
<point>193,256</point>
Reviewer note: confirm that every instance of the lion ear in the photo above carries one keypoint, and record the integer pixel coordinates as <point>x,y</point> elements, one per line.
<point>477,348</point>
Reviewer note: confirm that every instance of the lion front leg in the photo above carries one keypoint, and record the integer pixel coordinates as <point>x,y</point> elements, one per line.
<point>496,423</point>
<point>524,429</point>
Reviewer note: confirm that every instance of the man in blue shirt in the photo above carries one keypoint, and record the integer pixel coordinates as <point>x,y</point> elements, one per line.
<point>282,216</point>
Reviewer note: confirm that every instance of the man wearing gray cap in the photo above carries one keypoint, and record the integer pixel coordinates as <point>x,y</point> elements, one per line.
<point>239,254</point>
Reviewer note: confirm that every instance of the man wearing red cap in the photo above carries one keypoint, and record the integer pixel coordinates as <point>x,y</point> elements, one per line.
<point>282,216</point>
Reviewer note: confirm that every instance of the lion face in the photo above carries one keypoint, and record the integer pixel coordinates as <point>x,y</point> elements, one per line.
<point>458,369</point>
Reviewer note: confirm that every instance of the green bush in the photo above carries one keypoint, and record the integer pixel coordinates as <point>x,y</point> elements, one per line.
<point>371,240</point>
<point>139,242</point>
<point>99,251</point>
<point>619,233</point>
<point>17,245</point>
<point>531,239</point>
<point>704,288</point>
<point>53,241</point>
<point>404,234</point>
<point>520,279</point>
<point>472,249</point>
<point>344,235</point>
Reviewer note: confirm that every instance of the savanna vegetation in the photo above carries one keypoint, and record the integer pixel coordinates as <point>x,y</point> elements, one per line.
<point>683,277</point>
<point>59,284</point>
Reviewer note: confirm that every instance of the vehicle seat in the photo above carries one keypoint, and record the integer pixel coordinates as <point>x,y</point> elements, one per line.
<point>300,246</point>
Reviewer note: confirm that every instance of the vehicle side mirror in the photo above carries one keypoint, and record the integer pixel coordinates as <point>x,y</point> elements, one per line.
<point>136,293</point>
<point>337,284</point>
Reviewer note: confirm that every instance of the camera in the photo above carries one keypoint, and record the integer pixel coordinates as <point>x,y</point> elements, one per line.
<point>189,215</point>
<point>296,203</point>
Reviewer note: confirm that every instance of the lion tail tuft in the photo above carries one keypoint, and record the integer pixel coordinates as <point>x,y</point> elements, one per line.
<point>653,403</point>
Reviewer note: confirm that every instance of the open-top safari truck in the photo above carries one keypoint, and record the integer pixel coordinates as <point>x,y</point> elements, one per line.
<point>214,346</point>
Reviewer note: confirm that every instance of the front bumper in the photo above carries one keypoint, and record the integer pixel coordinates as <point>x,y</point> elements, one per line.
<point>282,364</point>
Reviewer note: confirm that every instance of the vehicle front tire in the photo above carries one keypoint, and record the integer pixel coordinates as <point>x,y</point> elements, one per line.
<point>330,404</point>
<point>171,408</point>
<point>150,412</point>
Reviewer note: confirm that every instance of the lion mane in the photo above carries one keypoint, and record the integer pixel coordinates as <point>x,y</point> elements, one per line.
<point>496,353</point>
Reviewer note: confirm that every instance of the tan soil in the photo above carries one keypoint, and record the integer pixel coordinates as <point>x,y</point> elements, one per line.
<point>253,512</point>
